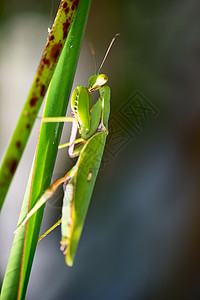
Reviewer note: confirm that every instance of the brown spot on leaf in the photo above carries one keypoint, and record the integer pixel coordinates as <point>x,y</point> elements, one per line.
<point>12,165</point>
<point>18,144</point>
<point>51,38</point>
<point>75,4</point>
<point>46,61</point>
<point>47,45</point>
<point>28,126</point>
<point>65,28</point>
<point>55,51</point>
<point>33,101</point>
<point>43,90</point>
<point>65,5</point>
<point>66,10</point>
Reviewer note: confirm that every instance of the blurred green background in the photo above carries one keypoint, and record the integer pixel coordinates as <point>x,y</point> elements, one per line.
<point>141,239</point>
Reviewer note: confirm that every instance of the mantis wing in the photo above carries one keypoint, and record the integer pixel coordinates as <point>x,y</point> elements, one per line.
<point>84,179</point>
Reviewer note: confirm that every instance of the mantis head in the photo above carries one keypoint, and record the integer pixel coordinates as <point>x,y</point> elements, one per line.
<point>97,81</point>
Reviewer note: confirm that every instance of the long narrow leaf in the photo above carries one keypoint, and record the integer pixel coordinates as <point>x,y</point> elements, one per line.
<point>36,94</point>
<point>23,249</point>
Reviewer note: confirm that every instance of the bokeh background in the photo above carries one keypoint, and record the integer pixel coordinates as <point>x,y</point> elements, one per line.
<point>141,239</point>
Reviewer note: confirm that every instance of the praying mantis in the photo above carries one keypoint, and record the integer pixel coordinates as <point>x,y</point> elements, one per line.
<point>78,183</point>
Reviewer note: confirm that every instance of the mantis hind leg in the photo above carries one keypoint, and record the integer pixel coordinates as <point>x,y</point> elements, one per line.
<point>67,144</point>
<point>50,229</point>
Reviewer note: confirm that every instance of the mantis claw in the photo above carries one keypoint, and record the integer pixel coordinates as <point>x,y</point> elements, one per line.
<point>64,246</point>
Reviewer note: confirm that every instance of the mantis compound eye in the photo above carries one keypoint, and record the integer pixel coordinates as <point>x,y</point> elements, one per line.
<point>101,79</point>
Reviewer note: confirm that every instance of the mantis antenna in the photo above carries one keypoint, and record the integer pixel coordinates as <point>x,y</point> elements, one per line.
<point>108,50</point>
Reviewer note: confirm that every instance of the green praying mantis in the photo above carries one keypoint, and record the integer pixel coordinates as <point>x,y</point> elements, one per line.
<point>92,124</point>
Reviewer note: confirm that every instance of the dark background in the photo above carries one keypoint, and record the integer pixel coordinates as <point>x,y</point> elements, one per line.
<point>141,239</point>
